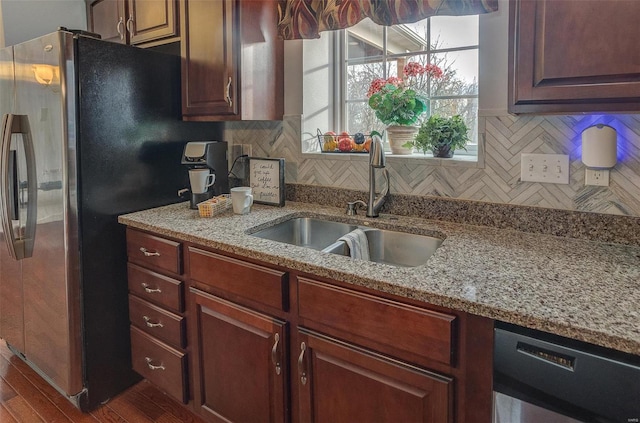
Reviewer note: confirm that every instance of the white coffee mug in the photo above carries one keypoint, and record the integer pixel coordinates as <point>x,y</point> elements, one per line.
<point>200,180</point>
<point>241,199</point>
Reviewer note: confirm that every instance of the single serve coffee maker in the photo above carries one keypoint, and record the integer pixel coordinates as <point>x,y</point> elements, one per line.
<point>206,162</point>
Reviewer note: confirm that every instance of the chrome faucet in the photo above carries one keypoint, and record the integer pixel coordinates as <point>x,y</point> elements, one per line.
<point>376,161</point>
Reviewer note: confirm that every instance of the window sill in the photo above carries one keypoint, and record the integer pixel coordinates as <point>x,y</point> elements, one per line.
<point>456,161</point>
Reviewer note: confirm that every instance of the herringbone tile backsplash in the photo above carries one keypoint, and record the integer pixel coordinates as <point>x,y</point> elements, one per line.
<point>506,137</point>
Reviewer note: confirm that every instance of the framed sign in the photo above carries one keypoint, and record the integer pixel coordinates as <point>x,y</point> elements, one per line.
<point>266,178</point>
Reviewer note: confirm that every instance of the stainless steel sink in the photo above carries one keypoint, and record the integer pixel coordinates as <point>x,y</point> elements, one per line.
<point>385,246</point>
<point>306,232</point>
<point>393,247</point>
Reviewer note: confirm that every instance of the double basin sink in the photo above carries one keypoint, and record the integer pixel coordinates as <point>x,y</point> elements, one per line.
<point>385,246</point>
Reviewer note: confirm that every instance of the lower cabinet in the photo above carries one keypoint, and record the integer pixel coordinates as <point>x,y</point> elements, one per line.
<point>263,344</point>
<point>156,312</point>
<point>339,381</point>
<point>240,359</point>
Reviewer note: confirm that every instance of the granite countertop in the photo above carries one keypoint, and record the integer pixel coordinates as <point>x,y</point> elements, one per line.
<point>584,290</point>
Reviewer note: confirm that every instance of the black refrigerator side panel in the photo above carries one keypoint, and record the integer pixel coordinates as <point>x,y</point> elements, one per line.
<point>130,145</point>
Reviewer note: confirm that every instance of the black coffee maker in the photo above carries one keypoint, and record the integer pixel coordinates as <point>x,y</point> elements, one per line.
<point>206,155</point>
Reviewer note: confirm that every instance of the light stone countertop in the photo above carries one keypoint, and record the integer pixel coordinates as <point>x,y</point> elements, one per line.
<point>584,290</point>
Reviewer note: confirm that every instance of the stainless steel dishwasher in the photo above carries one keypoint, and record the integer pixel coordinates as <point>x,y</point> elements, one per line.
<point>544,378</point>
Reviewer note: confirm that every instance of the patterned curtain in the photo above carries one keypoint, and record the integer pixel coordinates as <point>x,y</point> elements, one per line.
<point>307,18</point>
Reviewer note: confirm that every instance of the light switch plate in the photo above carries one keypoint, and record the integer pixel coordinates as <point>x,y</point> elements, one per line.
<point>549,168</point>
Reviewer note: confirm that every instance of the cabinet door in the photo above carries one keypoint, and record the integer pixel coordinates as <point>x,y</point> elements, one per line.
<point>108,18</point>
<point>209,72</point>
<point>239,369</point>
<point>573,56</point>
<point>341,382</point>
<point>151,20</point>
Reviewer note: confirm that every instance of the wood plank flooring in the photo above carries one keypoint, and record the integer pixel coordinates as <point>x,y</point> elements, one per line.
<point>26,398</point>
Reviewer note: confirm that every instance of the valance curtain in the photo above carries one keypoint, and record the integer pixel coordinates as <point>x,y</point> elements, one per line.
<point>307,18</point>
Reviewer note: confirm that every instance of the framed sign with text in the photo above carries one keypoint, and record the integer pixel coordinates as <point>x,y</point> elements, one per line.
<point>266,178</point>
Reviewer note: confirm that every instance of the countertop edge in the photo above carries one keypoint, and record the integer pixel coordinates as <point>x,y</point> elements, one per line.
<point>581,333</point>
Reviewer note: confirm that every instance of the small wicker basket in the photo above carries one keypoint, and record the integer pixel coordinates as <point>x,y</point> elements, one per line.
<point>215,205</point>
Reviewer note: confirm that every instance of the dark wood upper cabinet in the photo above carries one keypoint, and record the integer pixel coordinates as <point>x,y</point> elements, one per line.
<point>145,23</point>
<point>152,20</point>
<point>574,56</point>
<point>233,61</point>
<point>108,18</point>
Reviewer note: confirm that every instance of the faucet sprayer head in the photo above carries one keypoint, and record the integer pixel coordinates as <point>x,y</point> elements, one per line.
<point>376,153</point>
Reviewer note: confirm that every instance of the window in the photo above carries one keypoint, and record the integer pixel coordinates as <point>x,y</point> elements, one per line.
<point>367,51</point>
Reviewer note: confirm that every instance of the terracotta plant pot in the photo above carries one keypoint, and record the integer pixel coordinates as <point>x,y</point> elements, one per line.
<point>399,135</point>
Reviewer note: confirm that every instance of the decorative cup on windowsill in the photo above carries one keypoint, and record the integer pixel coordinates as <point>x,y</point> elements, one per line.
<point>398,104</point>
<point>441,135</point>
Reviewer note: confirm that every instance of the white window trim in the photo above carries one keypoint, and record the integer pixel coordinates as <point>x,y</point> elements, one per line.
<point>473,157</point>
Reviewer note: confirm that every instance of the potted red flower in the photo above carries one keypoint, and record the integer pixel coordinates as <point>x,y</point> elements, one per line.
<point>398,104</point>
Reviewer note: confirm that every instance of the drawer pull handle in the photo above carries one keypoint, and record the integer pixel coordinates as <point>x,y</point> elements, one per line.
<point>274,353</point>
<point>150,324</point>
<point>301,367</point>
<point>150,290</point>
<point>148,253</point>
<point>151,366</point>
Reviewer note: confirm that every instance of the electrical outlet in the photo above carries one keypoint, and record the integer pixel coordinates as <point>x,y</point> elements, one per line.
<point>237,169</point>
<point>236,150</point>
<point>243,168</point>
<point>550,168</point>
<point>246,149</point>
<point>597,177</point>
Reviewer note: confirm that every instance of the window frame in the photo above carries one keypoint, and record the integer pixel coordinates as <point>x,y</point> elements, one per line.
<point>341,62</point>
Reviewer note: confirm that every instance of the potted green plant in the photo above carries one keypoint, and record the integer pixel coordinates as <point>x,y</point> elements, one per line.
<point>398,104</point>
<point>441,135</point>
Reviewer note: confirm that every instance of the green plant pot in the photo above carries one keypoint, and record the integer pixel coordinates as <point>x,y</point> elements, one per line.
<point>445,152</point>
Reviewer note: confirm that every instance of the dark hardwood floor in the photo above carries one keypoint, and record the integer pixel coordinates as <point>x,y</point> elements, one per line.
<point>26,398</point>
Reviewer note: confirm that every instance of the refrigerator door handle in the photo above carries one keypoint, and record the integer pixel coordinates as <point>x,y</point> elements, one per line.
<point>13,185</point>
<point>22,247</point>
<point>5,172</point>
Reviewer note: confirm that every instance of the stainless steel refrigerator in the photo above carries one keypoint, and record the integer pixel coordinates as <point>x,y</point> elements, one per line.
<point>91,130</point>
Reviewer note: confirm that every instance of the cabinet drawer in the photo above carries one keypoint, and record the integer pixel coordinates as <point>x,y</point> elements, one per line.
<point>411,333</point>
<point>157,322</point>
<point>156,288</point>
<point>154,252</point>
<point>248,280</point>
<point>160,364</point>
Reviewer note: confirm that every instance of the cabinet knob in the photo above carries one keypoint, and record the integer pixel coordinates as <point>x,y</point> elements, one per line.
<point>301,367</point>
<point>130,25</point>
